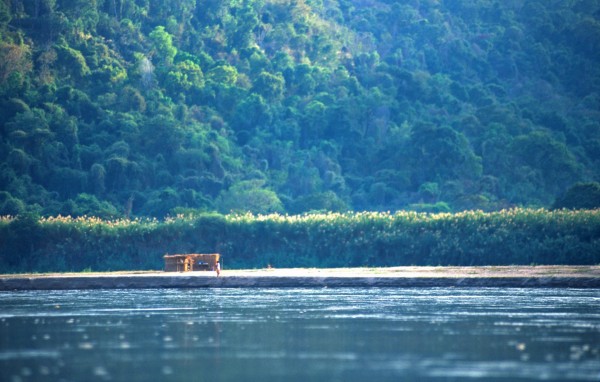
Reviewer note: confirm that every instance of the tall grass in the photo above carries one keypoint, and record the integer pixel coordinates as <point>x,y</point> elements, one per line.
<point>516,236</point>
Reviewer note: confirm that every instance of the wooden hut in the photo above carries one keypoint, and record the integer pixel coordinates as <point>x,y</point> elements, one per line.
<point>191,262</point>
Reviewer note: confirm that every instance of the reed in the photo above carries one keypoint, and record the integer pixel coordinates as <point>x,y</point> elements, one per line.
<point>515,236</point>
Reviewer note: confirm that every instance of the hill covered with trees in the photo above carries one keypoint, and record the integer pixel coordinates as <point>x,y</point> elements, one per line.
<point>119,108</point>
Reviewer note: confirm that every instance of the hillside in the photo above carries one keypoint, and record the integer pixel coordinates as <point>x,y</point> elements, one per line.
<point>120,108</point>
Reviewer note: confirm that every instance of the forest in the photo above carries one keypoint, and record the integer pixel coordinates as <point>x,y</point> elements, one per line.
<point>124,109</point>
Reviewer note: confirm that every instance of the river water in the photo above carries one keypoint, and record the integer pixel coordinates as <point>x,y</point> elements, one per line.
<point>346,334</point>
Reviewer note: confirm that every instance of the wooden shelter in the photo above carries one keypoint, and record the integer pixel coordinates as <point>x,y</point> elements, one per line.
<point>191,262</point>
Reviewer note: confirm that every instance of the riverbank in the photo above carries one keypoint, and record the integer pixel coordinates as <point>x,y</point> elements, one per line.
<point>493,276</point>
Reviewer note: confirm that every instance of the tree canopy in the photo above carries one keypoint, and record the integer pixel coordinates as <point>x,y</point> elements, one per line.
<point>143,108</point>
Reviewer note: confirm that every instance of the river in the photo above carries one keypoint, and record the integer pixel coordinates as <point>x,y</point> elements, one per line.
<point>286,334</point>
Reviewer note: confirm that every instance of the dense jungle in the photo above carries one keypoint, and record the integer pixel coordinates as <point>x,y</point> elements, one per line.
<point>151,108</point>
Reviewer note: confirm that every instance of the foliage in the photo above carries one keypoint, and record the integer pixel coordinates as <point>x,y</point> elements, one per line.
<point>516,236</point>
<point>580,196</point>
<point>249,196</point>
<point>143,108</point>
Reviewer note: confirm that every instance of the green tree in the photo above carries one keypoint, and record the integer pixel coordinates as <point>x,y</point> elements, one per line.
<point>185,76</point>
<point>252,112</point>
<point>580,196</point>
<point>10,205</point>
<point>72,60</point>
<point>98,179</point>
<point>243,25</point>
<point>5,15</point>
<point>313,122</point>
<point>442,153</point>
<point>249,196</point>
<point>269,85</point>
<point>30,130</point>
<point>556,164</point>
<point>15,65</point>
<point>326,201</point>
<point>226,75</point>
<point>162,42</point>
<point>89,205</point>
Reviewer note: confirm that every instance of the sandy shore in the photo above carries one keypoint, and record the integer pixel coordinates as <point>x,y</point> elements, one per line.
<point>495,276</point>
